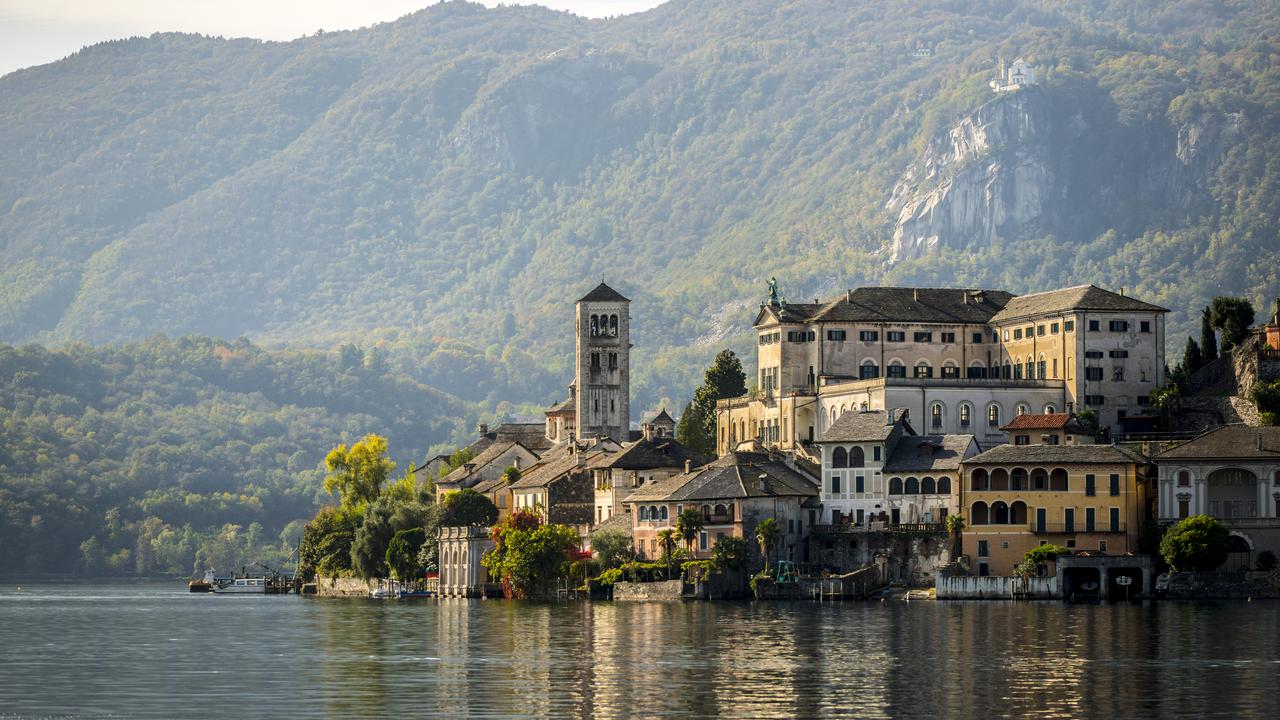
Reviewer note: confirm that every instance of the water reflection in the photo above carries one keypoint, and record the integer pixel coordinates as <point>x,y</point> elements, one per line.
<point>140,650</point>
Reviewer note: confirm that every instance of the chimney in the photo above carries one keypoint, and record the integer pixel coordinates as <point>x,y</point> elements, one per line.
<point>915,294</point>
<point>646,431</point>
<point>848,296</point>
<point>1121,292</point>
<point>483,429</point>
<point>688,466</point>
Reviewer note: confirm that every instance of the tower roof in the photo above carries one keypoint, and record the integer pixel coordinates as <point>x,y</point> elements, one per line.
<point>603,293</point>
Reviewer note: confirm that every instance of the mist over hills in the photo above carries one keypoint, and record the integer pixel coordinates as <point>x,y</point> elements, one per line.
<point>447,184</point>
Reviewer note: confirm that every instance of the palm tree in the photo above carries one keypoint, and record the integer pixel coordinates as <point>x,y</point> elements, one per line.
<point>667,539</point>
<point>688,524</point>
<point>955,527</point>
<point>767,534</point>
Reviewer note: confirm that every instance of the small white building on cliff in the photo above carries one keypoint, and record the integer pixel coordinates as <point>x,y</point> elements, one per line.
<point>1014,76</point>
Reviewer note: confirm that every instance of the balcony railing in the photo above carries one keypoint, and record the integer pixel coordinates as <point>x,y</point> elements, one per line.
<point>876,526</point>
<point>1065,529</point>
<point>717,519</point>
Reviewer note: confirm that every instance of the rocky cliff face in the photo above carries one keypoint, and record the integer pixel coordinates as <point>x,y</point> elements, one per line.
<point>1028,164</point>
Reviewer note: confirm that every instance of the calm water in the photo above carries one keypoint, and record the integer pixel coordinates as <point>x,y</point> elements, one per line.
<point>153,650</point>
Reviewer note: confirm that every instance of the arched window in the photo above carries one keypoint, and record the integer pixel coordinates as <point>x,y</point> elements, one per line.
<point>1040,368</point>
<point>1008,370</point>
<point>663,513</point>
<point>928,487</point>
<point>720,510</point>
<point>935,415</point>
<point>896,369</point>
<point>944,486</point>
<point>999,513</point>
<point>1049,409</point>
<point>999,479</point>
<point>595,325</point>
<point>857,458</point>
<point>965,412</point>
<point>1031,369</point>
<point>1018,479</point>
<point>1039,479</point>
<point>1017,368</point>
<point>839,458</point>
<point>644,513</point>
<point>895,486</point>
<point>978,514</point>
<point>979,480</point>
<point>613,325</point>
<point>923,370</point>
<point>1018,513</point>
<point>913,486</point>
<point>1021,410</point>
<point>993,415</point>
<point>869,370</point>
<point>1058,481</point>
<point>833,416</point>
<point>706,510</point>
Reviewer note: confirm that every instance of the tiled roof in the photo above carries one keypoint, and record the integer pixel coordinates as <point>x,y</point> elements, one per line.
<point>662,417</point>
<point>736,475</point>
<point>858,426</point>
<point>659,490</point>
<point>914,305</point>
<point>924,453</point>
<point>655,453</point>
<point>531,435</point>
<point>1024,454</point>
<point>1232,441</point>
<point>550,469</point>
<point>603,293</point>
<point>564,407</point>
<point>488,455</point>
<point>1046,421</point>
<point>1081,297</point>
<point>619,523</point>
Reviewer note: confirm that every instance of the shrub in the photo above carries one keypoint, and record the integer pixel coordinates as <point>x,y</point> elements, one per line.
<point>1198,543</point>
<point>1267,561</point>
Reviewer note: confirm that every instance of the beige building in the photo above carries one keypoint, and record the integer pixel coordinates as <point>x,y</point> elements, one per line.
<point>1083,497</point>
<point>657,455</point>
<point>960,361</point>
<point>461,549</point>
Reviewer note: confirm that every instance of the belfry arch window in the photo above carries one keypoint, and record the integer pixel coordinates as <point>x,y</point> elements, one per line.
<point>595,325</point>
<point>613,326</point>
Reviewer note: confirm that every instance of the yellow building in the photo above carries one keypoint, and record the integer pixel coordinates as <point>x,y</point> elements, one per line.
<point>1083,497</point>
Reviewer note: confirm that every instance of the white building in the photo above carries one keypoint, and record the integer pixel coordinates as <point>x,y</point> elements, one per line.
<point>461,549</point>
<point>1017,74</point>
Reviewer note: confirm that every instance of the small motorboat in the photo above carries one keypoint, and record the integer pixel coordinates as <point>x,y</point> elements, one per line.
<point>204,584</point>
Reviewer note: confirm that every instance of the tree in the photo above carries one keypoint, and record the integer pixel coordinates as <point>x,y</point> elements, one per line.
<point>955,528</point>
<point>326,543</point>
<point>358,473</point>
<point>1192,359</point>
<point>767,536</point>
<point>1234,316</point>
<point>529,556</point>
<point>1208,340</point>
<point>724,379</point>
<point>468,507</point>
<point>1198,543</point>
<point>402,553</point>
<point>730,553</point>
<point>667,540</point>
<point>688,524</point>
<point>611,548</point>
<point>1266,561</point>
<point>1266,395</point>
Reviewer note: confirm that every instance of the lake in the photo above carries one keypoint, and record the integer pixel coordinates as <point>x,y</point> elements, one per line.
<point>150,649</point>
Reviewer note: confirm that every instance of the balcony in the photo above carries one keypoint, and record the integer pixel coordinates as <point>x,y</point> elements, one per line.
<point>713,519</point>
<point>849,528</point>
<point>1065,529</point>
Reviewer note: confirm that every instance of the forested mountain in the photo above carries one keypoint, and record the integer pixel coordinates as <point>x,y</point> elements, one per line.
<point>447,184</point>
<point>155,455</point>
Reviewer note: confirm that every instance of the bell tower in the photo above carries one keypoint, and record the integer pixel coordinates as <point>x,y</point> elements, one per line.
<point>603,369</point>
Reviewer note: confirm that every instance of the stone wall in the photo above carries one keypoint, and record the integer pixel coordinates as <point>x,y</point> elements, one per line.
<point>1224,585</point>
<point>910,558</point>
<point>343,587</point>
<point>666,590</point>
<point>995,587</point>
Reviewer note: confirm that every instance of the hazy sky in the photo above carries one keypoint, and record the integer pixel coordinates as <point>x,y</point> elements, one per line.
<point>34,32</point>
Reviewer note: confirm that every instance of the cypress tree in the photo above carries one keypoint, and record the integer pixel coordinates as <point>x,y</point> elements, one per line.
<point>1192,359</point>
<point>1208,340</point>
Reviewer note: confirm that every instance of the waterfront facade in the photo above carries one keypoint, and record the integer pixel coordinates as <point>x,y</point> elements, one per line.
<point>1231,474</point>
<point>657,455</point>
<point>962,361</point>
<point>461,549</point>
<point>1082,497</point>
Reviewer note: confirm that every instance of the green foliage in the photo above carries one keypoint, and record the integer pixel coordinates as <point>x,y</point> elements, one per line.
<point>767,535</point>
<point>696,570</point>
<point>730,553</point>
<point>326,543</point>
<point>468,507</point>
<point>358,473</point>
<point>1266,561</point>
<point>688,524</point>
<point>403,553</point>
<point>1266,395</point>
<point>152,449</point>
<point>612,547</point>
<point>724,379</point>
<point>609,577</point>
<point>529,557</point>
<point>763,577</point>
<point>1042,554</point>
<point>1208,341</point>
<point>955,524</point>
<point>1233,316</point>
<point>1192,359</point>
<point>644,572</point>
<point>1165,397</point>
<point>1197,543</point>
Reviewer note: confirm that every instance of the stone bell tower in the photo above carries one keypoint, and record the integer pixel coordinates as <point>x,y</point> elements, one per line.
<point>603,368</point>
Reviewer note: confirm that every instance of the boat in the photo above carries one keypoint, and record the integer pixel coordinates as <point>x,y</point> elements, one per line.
<point>203,585</point>
<point>389,591</point>
<point>256,585</point>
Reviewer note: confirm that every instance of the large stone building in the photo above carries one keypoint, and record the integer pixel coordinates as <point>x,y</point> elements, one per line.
<point>603,361</point>
<point>1232,474</point>
<point>657,455</point>
<point>961,361</point>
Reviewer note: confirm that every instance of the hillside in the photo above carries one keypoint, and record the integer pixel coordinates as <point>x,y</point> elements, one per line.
<point>155,455</point>
<point>446,184</point>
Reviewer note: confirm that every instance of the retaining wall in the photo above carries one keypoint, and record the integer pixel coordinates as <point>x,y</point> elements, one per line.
<point>996,587</point>
<point>665,590</point>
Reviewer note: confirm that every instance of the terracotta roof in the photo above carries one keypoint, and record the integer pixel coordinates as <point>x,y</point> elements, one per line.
<point>869,426</point>
<point>1025,454</point>
<point>1047,421</point>
<point>603,293</point>
<point>924,453</point>
<point>1080,297</point>
<point>1231,441</point>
